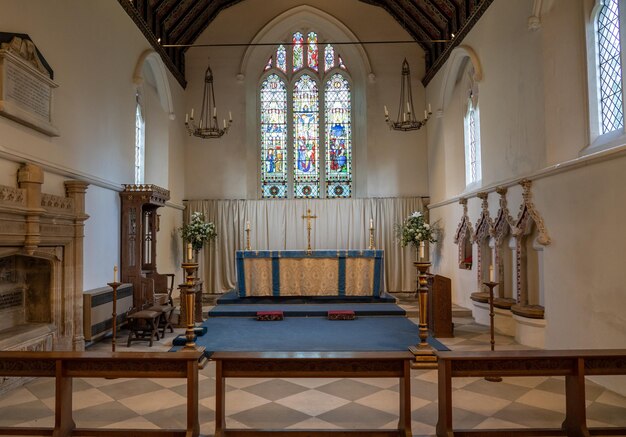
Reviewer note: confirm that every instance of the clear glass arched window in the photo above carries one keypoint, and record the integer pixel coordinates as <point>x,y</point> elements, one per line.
<point>472,142</point>
<point>305,102</point>
<point>140,141</point>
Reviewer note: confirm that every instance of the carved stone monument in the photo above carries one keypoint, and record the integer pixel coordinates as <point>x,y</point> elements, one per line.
<point>26,86</point>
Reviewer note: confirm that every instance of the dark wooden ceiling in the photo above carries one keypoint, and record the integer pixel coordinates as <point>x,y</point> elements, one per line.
<point>182,22</point>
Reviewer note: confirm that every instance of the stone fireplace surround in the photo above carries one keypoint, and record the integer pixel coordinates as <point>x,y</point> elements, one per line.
<point>41,265</point>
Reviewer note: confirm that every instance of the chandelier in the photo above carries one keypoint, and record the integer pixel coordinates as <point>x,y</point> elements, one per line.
<point>208,126</point>
<point>406,116</point>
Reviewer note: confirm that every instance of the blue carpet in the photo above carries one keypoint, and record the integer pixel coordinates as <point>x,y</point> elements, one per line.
<point>307,310</point>
<point>232,297</point>
<point>311,334</point>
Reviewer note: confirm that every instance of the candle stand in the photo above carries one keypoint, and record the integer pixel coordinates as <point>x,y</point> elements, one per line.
<point>114,285</point>
<point>371,246</point>
<point>424,354</point>
<point>491,285</point>
<point>188,292</point>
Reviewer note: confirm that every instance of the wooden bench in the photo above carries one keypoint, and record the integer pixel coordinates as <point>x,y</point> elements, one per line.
<point>573,364</point>
<point>64,366</point>
<point>313,365</point>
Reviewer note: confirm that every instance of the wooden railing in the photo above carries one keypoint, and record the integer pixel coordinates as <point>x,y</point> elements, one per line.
<point>573,364</point>
<point>64,366</point>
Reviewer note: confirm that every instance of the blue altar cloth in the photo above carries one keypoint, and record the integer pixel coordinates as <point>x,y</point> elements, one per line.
<point>278,273</point>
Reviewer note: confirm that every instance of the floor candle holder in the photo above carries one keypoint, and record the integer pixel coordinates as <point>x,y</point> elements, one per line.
<point>491,285</point>
<point>114,286</point>
<point>424,354</point>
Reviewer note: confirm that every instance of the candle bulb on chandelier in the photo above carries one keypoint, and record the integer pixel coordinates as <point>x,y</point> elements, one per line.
<point>191,114</point>
<point>491,275</point>
<point>224,123</point>
<point>425,114</point>
<point>386,112</point>
<point>230,116</point>
<point>429,111</point>
<point>189,253</point>
<point>408,107</point>
<point>215,112</point>
<point>186,118</point>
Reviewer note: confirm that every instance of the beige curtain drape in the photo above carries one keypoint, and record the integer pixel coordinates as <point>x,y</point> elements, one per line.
<point>278,225</point>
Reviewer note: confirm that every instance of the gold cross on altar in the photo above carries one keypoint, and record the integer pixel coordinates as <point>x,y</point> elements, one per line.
<point>308,218</point>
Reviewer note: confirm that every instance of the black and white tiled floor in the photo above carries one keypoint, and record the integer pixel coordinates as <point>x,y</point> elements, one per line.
<point>314,403</point>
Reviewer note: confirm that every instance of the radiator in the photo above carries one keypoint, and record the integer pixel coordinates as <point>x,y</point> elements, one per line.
<point>98,310</point>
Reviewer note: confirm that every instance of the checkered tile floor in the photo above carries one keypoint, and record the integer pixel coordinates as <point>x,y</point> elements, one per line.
<point>315,403</point>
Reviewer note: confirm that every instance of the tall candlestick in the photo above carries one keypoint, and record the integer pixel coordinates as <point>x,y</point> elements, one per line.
<point>491,276</point>
<point>371,223</point>
<point>115,273</point>
<point>247,225</point>
<point>422,249</point>
<point>189,252</point>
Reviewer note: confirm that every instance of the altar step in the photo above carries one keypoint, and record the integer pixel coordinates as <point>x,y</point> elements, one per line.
<point>307,310</point>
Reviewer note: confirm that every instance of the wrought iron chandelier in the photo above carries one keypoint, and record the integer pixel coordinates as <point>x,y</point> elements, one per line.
<point>406,116</point>
<point>208,126</point>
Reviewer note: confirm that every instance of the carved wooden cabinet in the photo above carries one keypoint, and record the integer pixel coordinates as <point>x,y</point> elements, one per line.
<point>139,227</point>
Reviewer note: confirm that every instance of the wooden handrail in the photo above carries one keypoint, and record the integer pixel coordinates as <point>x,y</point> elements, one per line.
<point>573,364</point>
<point>64,366</point>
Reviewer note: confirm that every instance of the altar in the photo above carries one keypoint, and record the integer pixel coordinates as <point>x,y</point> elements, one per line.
<point>280,273</point>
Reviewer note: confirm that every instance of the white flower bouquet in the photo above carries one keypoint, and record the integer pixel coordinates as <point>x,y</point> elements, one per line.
<point>414,230</point>
<point>197,231</point>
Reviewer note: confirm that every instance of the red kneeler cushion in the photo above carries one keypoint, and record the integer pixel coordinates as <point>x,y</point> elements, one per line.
<point>341,315</point>
<point>269,315</point>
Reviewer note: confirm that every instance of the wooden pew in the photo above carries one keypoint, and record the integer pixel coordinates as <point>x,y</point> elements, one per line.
<point>64,366</point>
<point>573,364</point>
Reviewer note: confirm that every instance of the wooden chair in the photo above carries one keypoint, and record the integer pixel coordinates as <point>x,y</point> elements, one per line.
<point>164,304</point>
<point>143,325</point>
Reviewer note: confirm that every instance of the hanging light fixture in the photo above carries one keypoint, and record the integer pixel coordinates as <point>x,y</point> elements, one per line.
<point>406,116</point>
<point>208,126</point>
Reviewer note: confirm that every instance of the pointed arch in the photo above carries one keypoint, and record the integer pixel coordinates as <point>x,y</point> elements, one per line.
<point>455,63</point>
<point>153,61</point>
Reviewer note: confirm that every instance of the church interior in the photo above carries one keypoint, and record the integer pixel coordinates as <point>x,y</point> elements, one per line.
<point>311,135</point>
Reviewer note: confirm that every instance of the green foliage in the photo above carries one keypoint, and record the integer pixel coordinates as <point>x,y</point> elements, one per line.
<point>197,231</point>
<point>415,230</point>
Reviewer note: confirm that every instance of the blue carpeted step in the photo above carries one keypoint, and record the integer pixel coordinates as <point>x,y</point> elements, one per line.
<point>307,310</point>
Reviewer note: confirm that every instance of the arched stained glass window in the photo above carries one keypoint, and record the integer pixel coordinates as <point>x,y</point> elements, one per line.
<point>338,137</point>
<point>329,57</point>
<point>312,52</point>
<point>274,137</point>
<point>298,51</point>
<point>472,143</point>
<point>610,67</point>
<point>140,141</point>
<point>311,156</point>
<point>281,58</point>
<point>306,137</point>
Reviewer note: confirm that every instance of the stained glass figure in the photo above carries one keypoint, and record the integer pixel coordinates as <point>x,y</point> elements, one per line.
<point>269,64</point>
<point>312,52</point>
<point>306,137</point>
<point>329,57</point>
<point>338,118</point>
<point>609,67</point>
<point>273,137</point>
<point>298,51</point>
<point>281,58</point>
<point>341,64</point>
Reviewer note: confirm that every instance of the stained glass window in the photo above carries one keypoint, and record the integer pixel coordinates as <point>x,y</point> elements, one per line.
<point>292,158</point>
<point>338,137</point>
<point>609,67</point>
<point>273,137</point>
<point>312,51</point>
<point>329,57</point>
<point>306,137</point>
<point>341,64</point>
<point>298,51</point>
<point>281,58</point>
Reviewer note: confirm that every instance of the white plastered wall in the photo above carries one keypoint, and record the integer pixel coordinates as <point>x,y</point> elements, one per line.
<point>534,124</point>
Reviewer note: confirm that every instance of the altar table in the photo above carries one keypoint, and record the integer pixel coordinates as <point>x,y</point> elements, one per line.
<point>319,273</point>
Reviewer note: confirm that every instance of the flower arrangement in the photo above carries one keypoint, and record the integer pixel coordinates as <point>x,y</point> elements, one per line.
<point>414,230</point>
<point>197,231</point>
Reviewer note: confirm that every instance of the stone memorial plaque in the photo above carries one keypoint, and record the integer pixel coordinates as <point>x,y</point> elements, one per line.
<point>26,92</point>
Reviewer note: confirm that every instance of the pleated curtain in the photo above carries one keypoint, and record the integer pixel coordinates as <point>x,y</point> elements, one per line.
<point>278,225</point>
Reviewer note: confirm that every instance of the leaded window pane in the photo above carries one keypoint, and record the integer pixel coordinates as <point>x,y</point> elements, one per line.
<point>312,52</point>
<point>306,137</point>
<point>338,118</point>
<point>298,51</point>
<point>273,137</point>
<point>610,68</point>
<point>329,57</point>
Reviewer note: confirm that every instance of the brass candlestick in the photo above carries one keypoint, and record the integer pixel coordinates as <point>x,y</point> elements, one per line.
<point>491,285</point>
<point>190,276</point>
<point>372,238</point>
<point>248,238</point>
<point>114,286</point>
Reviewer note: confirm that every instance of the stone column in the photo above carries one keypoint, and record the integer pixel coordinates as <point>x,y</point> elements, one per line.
<point>30,179</point>
<point>76,190</point>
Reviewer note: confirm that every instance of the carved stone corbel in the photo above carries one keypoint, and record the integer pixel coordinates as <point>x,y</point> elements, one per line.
<point>463,231</point>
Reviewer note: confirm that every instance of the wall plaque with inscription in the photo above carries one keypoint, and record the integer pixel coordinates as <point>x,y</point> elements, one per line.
<point>26,92</point>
